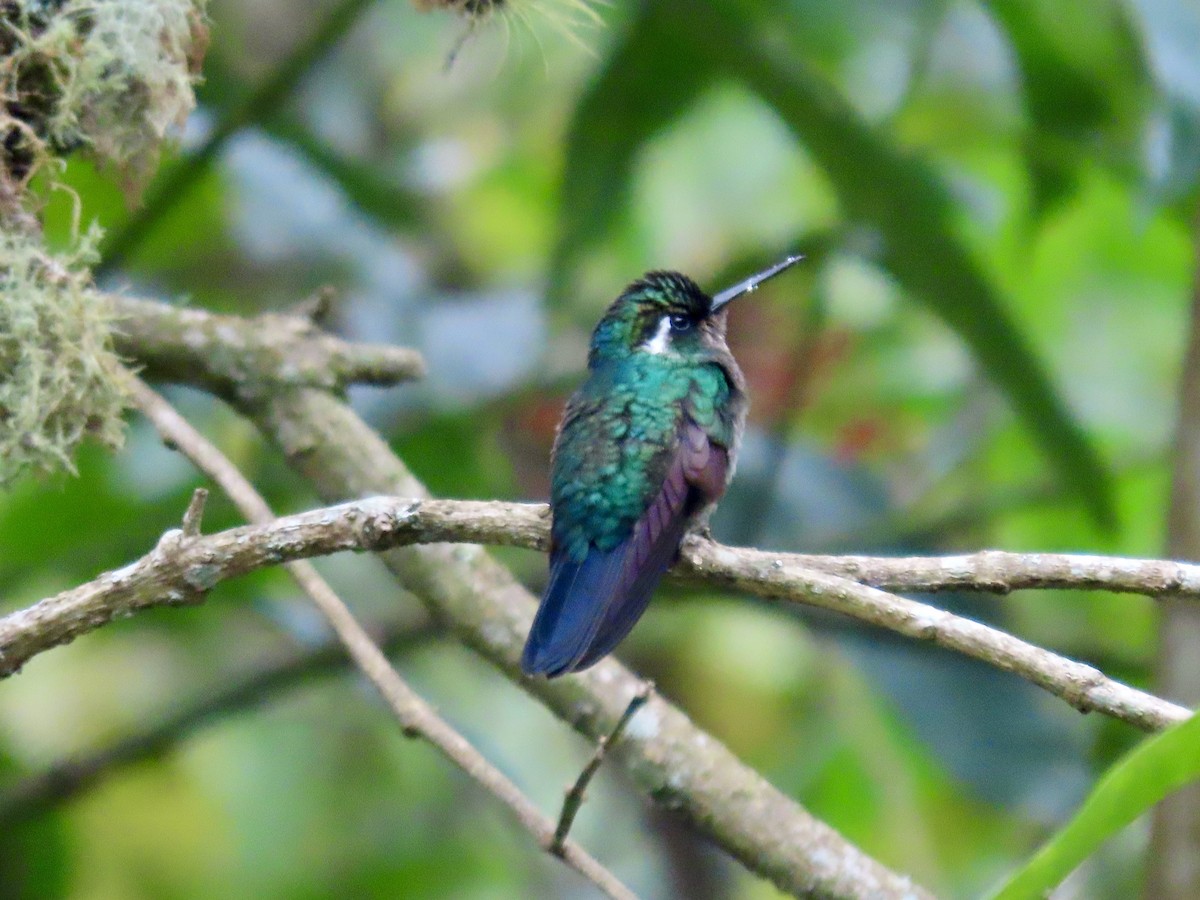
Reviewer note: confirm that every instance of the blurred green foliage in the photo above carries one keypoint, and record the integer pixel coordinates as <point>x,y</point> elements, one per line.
<point>997,199</point>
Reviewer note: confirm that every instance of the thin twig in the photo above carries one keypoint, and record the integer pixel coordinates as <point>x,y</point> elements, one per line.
<point>317,306</point>
<point>193,516</point>
<point>573,801</point>
<point>415,716</point>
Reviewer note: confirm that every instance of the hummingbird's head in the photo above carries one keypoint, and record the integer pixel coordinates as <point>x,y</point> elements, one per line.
<point>666,313</point>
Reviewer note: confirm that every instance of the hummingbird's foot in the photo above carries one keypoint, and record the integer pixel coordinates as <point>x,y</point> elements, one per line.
<point>699,533</point>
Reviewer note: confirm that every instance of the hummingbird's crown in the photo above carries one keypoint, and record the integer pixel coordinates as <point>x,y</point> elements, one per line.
<point>670,292</point>
<point>645,309</point>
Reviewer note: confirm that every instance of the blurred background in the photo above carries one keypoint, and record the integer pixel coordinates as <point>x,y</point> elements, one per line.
<point>997,201</point>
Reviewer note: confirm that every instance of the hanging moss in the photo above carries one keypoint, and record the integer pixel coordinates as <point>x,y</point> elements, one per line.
<point>110,78</point>
<point>107,76</point>
<point>58,380</point>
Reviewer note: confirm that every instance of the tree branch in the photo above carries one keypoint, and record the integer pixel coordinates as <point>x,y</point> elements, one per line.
<point>678,764</point>
<point>226,353</point>
<point>788,578</point>
<point>1000,572</point>
<point>415,716</point>
<point>189,567</point>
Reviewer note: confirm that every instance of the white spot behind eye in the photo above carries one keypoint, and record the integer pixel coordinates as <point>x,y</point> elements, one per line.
<point>660,344</point>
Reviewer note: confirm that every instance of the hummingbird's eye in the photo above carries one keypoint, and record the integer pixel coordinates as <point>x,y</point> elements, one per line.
<point>680,322</point>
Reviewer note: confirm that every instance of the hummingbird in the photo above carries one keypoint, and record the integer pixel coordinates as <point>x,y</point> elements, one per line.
<point>645,449</point>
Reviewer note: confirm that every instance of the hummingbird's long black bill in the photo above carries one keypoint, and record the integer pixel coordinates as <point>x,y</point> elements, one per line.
<point>751,284</point>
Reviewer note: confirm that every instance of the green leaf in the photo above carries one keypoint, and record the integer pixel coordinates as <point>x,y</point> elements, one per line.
<point>897,196</point>
<point>1144,776</point>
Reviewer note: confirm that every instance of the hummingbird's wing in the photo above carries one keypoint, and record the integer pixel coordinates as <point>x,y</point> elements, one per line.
<point>696,478</point>
<point>590,604</point>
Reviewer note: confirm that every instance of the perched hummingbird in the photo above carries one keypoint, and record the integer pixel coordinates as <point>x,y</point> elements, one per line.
<point>645,449</point>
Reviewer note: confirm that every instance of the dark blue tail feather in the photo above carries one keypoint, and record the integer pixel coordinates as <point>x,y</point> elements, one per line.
<point>590,606</point>
<point>572,610</point>
<point>643,571</point>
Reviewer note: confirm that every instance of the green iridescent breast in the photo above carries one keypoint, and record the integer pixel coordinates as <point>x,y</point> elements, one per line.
<point>617,440</point>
